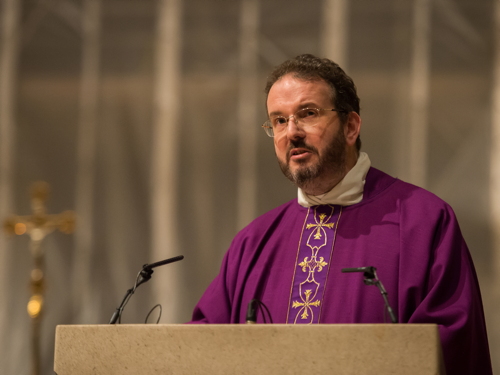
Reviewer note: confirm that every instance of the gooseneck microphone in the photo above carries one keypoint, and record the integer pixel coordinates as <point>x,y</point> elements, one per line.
<point>371,278</point>
<point>143,276</point>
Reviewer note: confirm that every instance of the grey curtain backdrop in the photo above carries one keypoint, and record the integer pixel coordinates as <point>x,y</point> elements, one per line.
<point>86,111</point>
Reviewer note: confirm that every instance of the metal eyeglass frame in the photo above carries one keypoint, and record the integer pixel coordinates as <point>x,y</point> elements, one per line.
<point>268,128</point>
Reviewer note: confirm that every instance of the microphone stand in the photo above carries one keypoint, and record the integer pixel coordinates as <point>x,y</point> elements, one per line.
<point>143,276</point>
<point>371,278</point>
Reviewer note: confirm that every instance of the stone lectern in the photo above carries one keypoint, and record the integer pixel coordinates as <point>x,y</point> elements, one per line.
<point>249,349</point>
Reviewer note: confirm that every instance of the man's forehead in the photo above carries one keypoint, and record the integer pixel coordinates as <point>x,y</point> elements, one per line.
<point>300,92</point>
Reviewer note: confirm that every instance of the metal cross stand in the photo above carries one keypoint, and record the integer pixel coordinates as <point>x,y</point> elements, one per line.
<point>37,226</point>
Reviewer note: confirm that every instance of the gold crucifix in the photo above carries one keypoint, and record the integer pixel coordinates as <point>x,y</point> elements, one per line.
<point>37,226</point>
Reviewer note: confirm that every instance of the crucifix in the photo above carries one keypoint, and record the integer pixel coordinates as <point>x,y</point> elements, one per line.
<point>38,225</point>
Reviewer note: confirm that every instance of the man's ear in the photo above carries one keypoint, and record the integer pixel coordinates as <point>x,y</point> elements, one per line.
<point>352,128</point>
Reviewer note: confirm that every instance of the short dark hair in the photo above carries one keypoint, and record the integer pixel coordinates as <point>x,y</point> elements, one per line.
<point>310,68</point>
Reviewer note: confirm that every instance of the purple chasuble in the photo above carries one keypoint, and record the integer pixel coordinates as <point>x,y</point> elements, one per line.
<point>312,265</point>
<point>411,236</point>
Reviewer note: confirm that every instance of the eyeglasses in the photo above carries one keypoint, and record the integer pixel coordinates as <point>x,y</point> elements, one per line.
<point>305,118</point>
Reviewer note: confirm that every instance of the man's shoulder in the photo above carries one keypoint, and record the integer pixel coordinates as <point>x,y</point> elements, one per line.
<point>277,213</point>
<point>380,184</point>
<point>267,225</point>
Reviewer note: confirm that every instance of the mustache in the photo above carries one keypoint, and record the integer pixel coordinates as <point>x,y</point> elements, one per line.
<point>299,143</point>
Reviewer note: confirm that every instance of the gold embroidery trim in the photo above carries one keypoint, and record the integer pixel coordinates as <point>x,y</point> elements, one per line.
<point>331,256</point>
<point>312,265</point>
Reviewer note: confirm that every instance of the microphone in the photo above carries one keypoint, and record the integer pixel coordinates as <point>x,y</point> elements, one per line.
<point>370,274</point>
<point>251,317</point>
<point>253,306</point>
<point>163,262</point>
<point>147,269</point>
<point>143,276</point>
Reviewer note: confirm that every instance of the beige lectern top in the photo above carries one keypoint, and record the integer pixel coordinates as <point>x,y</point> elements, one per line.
<point>249,349</point>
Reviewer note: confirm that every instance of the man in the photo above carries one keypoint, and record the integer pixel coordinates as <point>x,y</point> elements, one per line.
<point>347,214</point>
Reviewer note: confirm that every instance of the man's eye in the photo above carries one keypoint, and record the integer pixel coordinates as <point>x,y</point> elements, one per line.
<point>308,113</point>
<point>279,121</point>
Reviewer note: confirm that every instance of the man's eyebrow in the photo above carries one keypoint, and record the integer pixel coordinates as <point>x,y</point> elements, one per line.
<point>308,105</point>
<point>301,106</point>
<point>275,113</point>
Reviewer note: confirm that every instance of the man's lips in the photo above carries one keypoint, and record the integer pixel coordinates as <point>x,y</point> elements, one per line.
<point>299,153</point>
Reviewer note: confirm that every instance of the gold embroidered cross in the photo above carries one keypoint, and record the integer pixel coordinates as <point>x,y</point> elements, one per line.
<point>306,304</point>
<point>312,264</point>
<point>318,226</point>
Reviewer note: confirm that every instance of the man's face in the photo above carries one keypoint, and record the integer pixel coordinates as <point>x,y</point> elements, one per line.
<point>312,158</point>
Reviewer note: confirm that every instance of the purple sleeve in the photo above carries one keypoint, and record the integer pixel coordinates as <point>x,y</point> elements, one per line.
<point>446,292</point>
<point>218,305</point>
<point>214,306</point>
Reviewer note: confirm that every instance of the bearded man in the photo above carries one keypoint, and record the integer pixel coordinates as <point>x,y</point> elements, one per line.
<point>347,214</point>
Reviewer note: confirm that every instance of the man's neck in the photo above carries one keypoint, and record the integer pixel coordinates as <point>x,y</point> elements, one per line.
<point>324,184</point>
<point>318,187</point>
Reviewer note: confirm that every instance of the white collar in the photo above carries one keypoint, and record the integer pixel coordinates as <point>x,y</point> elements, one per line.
<point>347,192</point>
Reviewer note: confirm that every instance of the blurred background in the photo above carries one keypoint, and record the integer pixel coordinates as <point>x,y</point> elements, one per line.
<point>144,117</point>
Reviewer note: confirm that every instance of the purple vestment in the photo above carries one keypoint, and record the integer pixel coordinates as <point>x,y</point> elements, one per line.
<point>411,236</point>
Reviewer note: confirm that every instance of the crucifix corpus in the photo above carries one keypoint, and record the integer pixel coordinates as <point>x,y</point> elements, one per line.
<point>38,225</point>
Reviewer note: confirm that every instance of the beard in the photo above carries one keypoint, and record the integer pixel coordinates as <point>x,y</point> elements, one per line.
<point>332,162</point>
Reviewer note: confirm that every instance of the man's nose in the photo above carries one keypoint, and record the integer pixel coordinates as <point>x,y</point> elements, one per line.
<point>293,129</point>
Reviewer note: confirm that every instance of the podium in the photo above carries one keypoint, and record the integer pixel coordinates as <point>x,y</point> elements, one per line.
<point>339,349</point>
